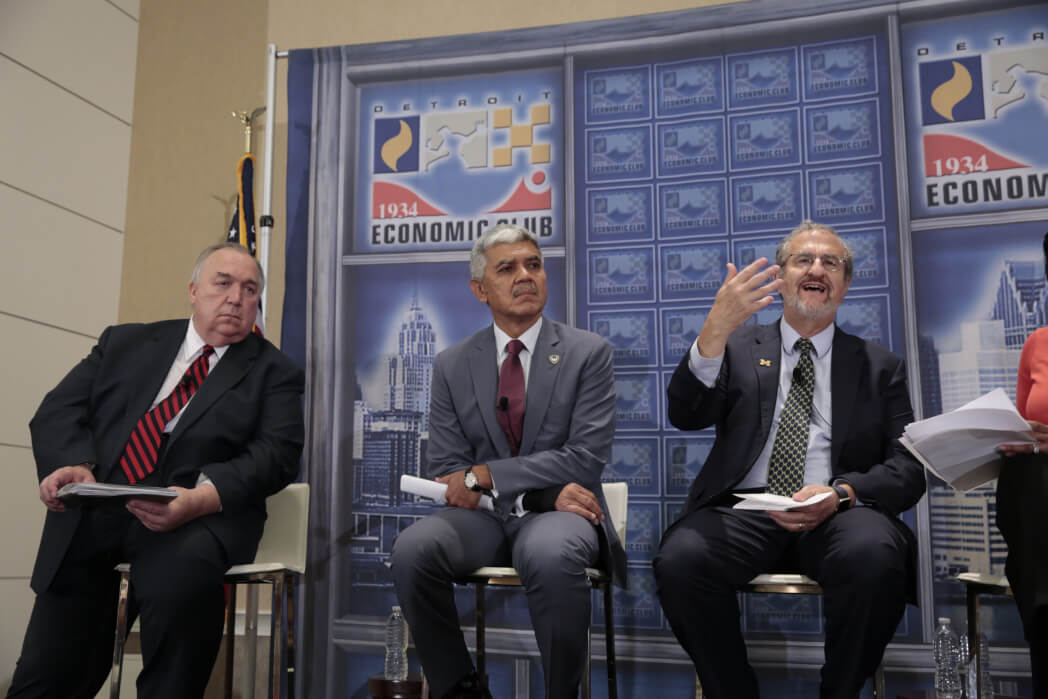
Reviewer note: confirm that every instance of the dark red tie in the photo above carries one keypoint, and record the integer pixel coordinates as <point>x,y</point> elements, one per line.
<point>510,408</point>
<point>143,448</point>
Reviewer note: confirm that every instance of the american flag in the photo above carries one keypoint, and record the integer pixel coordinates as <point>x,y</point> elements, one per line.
<point>242,227</point>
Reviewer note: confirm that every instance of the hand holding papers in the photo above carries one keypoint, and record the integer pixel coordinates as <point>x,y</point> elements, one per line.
<point>960,447</point>
<point>435,491</point>
<point>105,493</point>
<point>775,503</point>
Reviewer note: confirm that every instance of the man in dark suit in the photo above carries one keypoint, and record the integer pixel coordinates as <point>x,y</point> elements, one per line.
<point>237,440</point>
<point>538,444</point>
<point>802,409</point>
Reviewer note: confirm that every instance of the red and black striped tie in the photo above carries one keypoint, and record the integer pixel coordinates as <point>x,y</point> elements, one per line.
<point>143,448</point>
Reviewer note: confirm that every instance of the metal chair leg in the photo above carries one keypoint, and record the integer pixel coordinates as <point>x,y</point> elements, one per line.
<point>609,642</point>
<point>973,632</point>
<point>290,644</point>
<point>479,616</point>
<point>276,636</point>
<point>249,669</point>
<point>231,633</point>
<point>586,665</point>
<point>121,636</point>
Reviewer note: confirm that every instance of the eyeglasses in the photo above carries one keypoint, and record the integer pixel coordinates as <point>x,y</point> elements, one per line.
<point>804,260</point>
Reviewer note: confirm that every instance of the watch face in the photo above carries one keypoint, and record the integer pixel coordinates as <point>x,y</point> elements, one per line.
<point>470,480</point>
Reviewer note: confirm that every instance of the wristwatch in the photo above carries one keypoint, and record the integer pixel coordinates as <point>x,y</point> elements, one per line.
<point>842,493</point>
<point>470,479</point>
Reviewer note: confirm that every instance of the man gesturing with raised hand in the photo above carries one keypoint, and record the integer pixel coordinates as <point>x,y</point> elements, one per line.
<point>800,408</point>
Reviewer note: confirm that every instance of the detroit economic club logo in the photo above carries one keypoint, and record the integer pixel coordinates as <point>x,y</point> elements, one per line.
<point>446,176</point>
<point>972,106</point>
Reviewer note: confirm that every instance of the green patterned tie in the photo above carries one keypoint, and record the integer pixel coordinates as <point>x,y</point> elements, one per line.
<point>786,468</point>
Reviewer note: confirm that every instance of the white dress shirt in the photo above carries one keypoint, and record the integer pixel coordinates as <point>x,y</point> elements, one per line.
<point>191,349</point>
<point>817,467</point>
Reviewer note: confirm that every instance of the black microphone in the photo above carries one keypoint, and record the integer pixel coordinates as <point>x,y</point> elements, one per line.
<point>186,380</point>
<point>503,404</point>
<point>797,375</point>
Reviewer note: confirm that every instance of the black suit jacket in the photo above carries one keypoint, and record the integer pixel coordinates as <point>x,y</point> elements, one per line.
<point>243,429</point>
<point>871,406</point>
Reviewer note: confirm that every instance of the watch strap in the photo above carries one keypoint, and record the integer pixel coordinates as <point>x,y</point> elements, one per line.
<point>845,500</point>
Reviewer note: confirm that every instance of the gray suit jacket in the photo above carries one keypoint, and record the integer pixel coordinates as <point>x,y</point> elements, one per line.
<point>569,419</point>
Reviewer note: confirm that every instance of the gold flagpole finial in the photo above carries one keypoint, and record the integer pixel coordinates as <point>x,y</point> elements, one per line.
<point>247,119</point>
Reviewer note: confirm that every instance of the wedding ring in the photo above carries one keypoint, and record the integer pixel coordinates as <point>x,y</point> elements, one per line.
<point>800,525</point>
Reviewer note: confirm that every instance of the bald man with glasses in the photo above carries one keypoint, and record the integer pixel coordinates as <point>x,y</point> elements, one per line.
<point>801,409</point>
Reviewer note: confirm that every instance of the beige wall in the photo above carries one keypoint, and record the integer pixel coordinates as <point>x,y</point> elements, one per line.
<point>67,68</point>
<point>198,61</point>
<point>308,23</point>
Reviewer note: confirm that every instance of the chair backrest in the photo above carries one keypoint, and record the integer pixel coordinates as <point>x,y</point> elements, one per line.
<point>284,538</point>
<point>617,496</point>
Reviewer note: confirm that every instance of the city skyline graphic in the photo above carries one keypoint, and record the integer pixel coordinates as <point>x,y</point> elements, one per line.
<point>964,524</point>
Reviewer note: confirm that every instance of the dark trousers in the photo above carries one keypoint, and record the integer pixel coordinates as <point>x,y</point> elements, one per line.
<point>1037,637</point>
<point>1022,491</point>
<point>176,588</point>
<point>550,550</point>
<point>860,557</point>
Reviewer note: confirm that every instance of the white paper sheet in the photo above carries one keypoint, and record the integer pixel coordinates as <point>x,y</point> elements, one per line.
<point>433,490</point>
<point>776,503</point>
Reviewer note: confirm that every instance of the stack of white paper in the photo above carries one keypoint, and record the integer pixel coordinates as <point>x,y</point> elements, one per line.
<point>960,447</point>
<point>73,493</point>
<point>775,503</point>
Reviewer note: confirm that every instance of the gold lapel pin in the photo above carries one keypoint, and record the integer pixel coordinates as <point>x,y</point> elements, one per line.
<point>765,362</point>
<point>554,358</point>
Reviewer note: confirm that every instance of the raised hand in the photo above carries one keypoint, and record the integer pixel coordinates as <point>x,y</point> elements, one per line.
<point>743,293</point>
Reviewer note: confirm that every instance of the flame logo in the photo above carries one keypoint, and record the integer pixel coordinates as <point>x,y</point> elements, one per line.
<point>950,93</point>
<point>397,146</point>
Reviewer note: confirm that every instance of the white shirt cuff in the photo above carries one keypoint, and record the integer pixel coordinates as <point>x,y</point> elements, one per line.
<point>705,369</point>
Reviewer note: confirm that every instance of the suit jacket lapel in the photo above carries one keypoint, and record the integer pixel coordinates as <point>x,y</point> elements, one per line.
<point>483,368</point>
<point>542,376</point>
<point>145,376</point>
<point>846,367</point>
<point>766,355</point>
<point>229,370</point>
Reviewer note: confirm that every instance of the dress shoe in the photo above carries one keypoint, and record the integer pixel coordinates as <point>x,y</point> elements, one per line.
<point>469,687</point>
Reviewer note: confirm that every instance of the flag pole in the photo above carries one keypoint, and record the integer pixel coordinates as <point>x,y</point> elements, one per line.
<point>266,220</point>
<point>243,226</point>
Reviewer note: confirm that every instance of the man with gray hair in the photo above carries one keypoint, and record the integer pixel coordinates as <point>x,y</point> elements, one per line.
<point>203,406</point>
<point>804,410</point>
<point>524,411</point>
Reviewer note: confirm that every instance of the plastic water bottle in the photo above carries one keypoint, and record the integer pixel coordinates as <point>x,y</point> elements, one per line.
<point>946,650</point>
<point>972,688</point>
<point>396,646</point>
